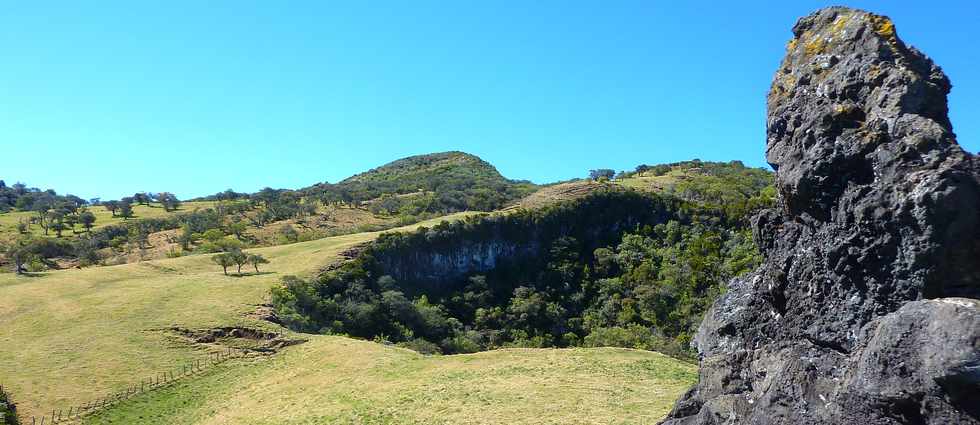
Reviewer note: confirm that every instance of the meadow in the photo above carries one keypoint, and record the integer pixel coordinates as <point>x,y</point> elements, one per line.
<point>72,336</point>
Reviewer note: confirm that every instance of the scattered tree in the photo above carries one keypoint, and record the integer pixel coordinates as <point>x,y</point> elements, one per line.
<point>213,235</point>
<point>141,198</point>
<point>125,210</point>
<point>239,258</point>
<point>224,260</point>
<point>87,219</point>
<point>112,206</point>
<point>70,221</point>
<point>256,259</point>
<point>168,200</point>
<point>601,174</point>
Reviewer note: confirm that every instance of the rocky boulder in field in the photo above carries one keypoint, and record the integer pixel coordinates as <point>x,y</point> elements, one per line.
<point>864,310</point>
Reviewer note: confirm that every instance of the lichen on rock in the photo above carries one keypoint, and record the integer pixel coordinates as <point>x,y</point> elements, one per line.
<point>864,310</point>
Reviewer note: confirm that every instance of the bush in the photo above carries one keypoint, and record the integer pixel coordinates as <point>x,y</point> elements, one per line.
<point>421,346</point>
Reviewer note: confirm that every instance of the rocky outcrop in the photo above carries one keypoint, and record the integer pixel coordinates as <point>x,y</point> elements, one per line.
<point>864,309</point>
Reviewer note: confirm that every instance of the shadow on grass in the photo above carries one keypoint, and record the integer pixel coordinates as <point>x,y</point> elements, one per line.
<point>247,274</point>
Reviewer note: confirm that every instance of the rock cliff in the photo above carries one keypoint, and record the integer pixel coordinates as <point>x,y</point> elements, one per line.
<point>864,310</point>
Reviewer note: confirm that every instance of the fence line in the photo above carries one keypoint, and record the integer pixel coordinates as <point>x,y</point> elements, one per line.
<point>159,380</point>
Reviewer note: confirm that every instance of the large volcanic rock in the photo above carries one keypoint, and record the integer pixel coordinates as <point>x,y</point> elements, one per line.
<point>864,309</point>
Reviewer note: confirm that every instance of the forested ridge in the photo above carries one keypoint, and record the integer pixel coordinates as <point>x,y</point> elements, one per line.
<point>617,267</point>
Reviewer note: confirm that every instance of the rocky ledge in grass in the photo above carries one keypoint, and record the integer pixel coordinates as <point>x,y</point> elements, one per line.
<point>864,310</point>
<point>239,338</point>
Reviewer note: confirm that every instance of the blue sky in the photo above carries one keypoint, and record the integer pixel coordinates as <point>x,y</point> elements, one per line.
<point>109,98</point>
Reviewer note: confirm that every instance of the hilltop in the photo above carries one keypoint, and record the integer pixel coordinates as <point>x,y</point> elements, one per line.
<point>729,185</point>
<point>438,182</point>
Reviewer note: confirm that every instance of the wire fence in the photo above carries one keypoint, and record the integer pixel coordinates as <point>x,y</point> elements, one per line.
<point>159,380</point>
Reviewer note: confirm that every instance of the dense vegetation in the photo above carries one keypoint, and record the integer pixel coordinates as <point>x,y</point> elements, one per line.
<point>24,198</point>
<point>614,268</point>
<point>728,185</point>
<point>8,413</point>
<point>427,185</point>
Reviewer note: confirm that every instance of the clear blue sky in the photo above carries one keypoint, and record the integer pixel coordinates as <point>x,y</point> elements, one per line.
<point>108,98</point>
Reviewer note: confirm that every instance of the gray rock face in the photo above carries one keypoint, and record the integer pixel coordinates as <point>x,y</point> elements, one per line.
<point>852,316</point>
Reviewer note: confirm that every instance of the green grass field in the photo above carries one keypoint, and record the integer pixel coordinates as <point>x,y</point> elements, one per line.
<point>332,380</point>
<point>9,220</point>
<point>72,336</point>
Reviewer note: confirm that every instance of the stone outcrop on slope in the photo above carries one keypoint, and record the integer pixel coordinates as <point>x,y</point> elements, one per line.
<point>864,310</point>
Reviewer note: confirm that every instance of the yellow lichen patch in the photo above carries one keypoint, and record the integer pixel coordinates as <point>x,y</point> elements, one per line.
<point>840,22</point>
<point>884,27</point>
<point>791,45</point>
<point>815,46</point>
<point>781,87</point>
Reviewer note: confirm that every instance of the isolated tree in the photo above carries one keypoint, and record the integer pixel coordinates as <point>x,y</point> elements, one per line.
<point>602,173</point>
<point>87,219</point>
<point>186,237</point>
<point>19,254</point>
<point>141,198</point>
<point>112,206</point>
<point>125,210</point>
<point>224,260</point>
<point>255,260</point>
<point>168,200</point>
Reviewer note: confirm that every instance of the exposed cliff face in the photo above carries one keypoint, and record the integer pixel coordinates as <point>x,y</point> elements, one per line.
<point>437,265</point>
<point>442,255</point>
<point>849,319</point>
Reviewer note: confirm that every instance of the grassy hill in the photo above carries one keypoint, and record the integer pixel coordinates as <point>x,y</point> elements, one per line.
<point>447,182</point>
<point>729,184</point>
<point>72,336</point>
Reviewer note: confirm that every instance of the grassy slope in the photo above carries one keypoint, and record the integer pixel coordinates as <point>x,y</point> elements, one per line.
<point>8,221</point>
<point>71,336</point>
<point>339,380</point>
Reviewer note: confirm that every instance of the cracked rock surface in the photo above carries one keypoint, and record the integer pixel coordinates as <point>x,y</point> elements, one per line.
<point>865,308</point>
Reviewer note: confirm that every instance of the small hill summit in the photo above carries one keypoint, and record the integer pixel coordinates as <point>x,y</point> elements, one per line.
<point>864,310</point>
<point>438,182</point>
